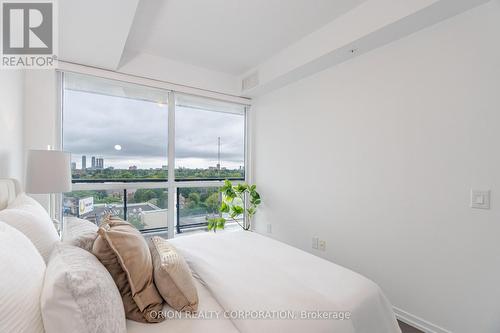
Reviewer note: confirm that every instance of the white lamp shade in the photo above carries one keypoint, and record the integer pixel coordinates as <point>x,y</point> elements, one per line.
<point>48,171</point>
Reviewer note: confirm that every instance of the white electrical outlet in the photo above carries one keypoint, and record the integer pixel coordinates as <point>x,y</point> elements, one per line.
<point>315,242</point>
<point>480,199</point>
<point>322,245</point>
<point>269,228</point>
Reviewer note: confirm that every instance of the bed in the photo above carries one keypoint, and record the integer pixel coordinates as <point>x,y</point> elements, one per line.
<point>248,273</point>
<point>208,304</point>
<point>250,283</point>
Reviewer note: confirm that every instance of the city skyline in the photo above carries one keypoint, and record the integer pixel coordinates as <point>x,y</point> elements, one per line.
<point>140,129</point>
<point>78,166</point>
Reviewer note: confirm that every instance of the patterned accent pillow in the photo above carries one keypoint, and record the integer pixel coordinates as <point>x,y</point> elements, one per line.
<point>79,295</point>
<point>124,252</point>
<point>79,232</point>
<point>172,276</point>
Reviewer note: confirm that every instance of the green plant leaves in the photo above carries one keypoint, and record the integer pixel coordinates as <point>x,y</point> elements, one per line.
<point>211,224</point>
<point>241,188</point>
<point>224,207</point>
<point>216,223</point>
<point>221,223</point>
<point>251,211</point>
<point>233,203</point>
<point>255,198</point>
<point>228,189</point>
<point>255,201</point>
<point>237,209</point>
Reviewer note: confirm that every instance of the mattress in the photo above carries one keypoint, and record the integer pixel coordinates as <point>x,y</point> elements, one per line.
<point>206,322</point>
<point>268,286</point>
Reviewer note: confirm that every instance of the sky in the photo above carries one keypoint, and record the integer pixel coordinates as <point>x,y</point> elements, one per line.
<point>93,124</point>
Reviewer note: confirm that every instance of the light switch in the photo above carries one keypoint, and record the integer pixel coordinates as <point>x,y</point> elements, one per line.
<point>480,199</point>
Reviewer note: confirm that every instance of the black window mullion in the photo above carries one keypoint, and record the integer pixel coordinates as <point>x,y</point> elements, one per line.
<point>125,212</point>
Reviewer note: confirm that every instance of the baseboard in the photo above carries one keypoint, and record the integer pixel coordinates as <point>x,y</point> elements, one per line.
<point>418,322</point>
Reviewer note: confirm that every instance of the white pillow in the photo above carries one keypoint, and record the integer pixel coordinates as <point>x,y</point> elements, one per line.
<point>79,295</point>
<point>79,232</point>
<point>28,216</point>
<point>24,201</point>
<point>74,227</point>
<point>21,279</point>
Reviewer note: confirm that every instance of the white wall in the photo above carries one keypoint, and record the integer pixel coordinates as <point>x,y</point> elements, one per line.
<point>41,124</point>
<point>41,109</point>
<point>377,156</point>
<point>11,124</point>
<point>167,70</point>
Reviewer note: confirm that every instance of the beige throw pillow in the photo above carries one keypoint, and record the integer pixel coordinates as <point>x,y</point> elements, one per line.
<point>172,276</point>
<point>124,252</point>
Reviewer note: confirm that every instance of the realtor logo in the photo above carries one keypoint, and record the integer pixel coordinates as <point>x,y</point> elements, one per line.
<point>28,34</point>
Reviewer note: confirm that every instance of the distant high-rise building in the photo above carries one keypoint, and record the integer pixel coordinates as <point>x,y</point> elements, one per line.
<point>73,165</point>
<point>218,153</point>
<point>84,162</point>
<point>99,163</point>
<point>93,162</point>
<point>132,167</point>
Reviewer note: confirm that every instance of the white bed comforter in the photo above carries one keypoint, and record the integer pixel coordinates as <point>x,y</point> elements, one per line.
<point>252,276</point>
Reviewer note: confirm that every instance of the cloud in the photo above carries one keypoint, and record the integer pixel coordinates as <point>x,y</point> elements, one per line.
<point>94,124</point>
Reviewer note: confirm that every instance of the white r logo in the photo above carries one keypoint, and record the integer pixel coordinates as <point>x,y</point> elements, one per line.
<point>35,19</point>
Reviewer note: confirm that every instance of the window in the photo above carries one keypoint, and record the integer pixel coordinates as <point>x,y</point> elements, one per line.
<point>209,138</point>
<point>196,205</point>
<point>147,208</point>
<point>99,200</point>
<point>118,135</point>
<point>114,131</point>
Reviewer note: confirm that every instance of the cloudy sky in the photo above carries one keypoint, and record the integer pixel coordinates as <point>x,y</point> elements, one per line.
<point>94,124</point>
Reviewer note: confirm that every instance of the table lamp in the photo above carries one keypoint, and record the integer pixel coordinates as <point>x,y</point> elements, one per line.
<point>48,172</point>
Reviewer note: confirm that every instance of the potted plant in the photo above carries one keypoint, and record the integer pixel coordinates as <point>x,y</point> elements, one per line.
<point>233,204</point>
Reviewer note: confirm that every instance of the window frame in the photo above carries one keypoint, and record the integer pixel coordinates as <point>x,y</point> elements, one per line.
<point>171,184</point>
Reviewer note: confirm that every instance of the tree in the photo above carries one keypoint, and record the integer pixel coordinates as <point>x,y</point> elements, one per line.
<point>193,200</point>
<point>212,203</point>
<point>144,195</point>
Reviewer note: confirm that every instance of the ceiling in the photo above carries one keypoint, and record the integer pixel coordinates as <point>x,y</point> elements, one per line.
<point>217,45</point>
<point>228,36</point>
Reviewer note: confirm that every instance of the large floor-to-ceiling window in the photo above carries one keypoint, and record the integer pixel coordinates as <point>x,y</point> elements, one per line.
<point>118,134</point>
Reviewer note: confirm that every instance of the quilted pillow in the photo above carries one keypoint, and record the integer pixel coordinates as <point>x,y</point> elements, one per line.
<point>125,253</point>
<point>172,276</point>
<point>79,295</point>
<point>28,216</point>
<point>79,232</point>
<point>21,279</point>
